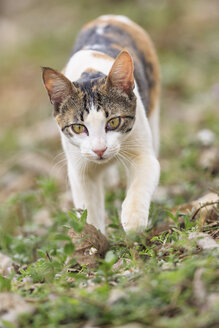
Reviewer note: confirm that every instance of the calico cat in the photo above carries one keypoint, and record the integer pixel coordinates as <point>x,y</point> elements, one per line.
<point>106,104</point>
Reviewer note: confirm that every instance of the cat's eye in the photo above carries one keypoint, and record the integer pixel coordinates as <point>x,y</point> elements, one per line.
<point>79,128</point>
<point>113,124</point>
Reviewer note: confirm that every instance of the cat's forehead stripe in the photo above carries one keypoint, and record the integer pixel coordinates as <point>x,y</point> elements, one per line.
<point>89,84</point>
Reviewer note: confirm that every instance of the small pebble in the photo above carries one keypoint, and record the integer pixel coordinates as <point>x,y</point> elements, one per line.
<point>206,137</point>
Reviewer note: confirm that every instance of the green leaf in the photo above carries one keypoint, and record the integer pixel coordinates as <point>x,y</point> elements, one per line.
<point>173,217</point>
<point>8,324</point>
<point>42,254</point>
<point>69,249</point>
<point>5,284</point>
<point>76,223</point>
<point>114,226</point>
<point>84,217</point>
<point>62,237</point>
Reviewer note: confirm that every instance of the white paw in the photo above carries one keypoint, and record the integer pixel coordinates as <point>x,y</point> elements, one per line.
<point>134,221</point>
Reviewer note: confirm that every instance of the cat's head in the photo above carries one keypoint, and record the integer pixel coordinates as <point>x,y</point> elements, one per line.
<point>97,112</point>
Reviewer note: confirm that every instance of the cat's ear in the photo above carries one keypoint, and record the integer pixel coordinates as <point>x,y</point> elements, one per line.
<point>57,85</point>
<point>121,75</point>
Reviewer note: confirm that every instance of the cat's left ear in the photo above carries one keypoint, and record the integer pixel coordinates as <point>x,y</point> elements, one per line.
<point>121,75</point>
<point>57,85</point>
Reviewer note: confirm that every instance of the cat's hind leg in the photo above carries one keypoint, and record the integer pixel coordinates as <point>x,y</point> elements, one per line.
<point>154,119</point>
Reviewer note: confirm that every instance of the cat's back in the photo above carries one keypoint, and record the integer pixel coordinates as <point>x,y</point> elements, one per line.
<point>106,36</point>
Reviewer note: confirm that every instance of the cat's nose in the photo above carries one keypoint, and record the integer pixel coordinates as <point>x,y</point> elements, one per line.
<point>99,152</point>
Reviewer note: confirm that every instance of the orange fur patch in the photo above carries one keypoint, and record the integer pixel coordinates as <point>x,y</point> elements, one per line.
<point>90,69</point>
<point>101,55</point>
<point>116,46</point>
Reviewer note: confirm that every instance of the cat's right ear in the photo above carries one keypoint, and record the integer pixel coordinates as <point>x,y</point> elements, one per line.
<point>57,85</point>
<point>121,75</point>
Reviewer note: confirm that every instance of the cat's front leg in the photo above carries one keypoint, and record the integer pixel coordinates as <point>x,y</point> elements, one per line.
<point>88,193</point>
<point>143,177</point>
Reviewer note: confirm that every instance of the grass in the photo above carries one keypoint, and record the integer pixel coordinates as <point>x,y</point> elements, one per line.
<point>148,280</point>
<point>153,285</point>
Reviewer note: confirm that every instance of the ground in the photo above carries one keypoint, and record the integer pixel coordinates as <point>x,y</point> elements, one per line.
<point>165,277</point>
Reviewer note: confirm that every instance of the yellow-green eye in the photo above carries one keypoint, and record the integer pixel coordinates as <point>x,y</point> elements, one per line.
<point>113,123</point>
<point>79,128</point>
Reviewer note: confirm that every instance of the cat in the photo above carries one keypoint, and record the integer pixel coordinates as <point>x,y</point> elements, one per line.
<point>106,104</point>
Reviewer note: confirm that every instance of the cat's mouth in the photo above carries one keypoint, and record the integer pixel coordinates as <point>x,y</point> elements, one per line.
<point>102,160</point>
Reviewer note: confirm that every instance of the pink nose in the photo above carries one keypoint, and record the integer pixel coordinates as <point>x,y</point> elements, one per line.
<point>99,152</point>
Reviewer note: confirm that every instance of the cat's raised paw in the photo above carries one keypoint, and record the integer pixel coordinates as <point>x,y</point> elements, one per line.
<point>135,222</point>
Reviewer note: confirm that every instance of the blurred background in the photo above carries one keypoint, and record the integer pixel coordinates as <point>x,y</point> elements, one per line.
<point>36,33</point>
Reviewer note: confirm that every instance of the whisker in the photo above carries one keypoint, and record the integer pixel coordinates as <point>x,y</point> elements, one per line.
<point>58,155</point>
<point>128,154</point>
<point>127,159</point>
<point>121,161</point>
